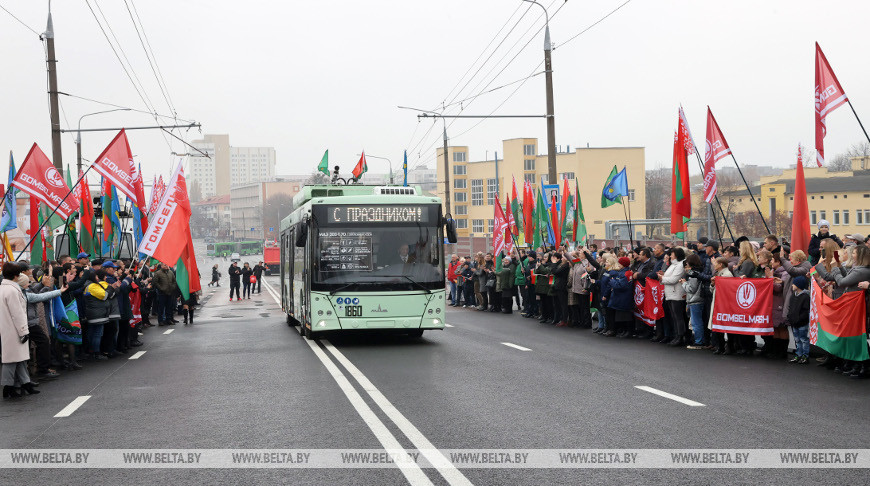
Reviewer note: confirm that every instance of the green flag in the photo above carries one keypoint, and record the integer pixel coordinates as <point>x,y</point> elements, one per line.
<point>540,219</point>
<point>607,202</point>
<point>72,237</point>
<point>324,163</point>
<point>579,219</point>
<point>566,228</point>
<point>36,247</point>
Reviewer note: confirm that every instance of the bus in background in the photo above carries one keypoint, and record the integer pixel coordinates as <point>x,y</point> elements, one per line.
<point>357,257</point>
<point>271,256</point>
<point>220,249</point>
<point>250,247</point>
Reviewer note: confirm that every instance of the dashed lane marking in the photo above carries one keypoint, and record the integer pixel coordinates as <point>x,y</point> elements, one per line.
<point>515,346</point>
<point>671,396</point>
<point>448,325</point>
<point>168,331</point>
<point>137,355</point>
<point>72,407</point>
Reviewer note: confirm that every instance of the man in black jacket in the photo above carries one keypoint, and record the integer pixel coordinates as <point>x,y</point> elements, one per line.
<point>258,272</point>
<point>235,274</point>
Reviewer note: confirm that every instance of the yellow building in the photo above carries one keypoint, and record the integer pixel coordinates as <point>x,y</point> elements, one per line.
<point>841,198</point>
<point>474,184</point>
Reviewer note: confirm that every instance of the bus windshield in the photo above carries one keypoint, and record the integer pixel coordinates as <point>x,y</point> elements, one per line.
<point>378,254</point>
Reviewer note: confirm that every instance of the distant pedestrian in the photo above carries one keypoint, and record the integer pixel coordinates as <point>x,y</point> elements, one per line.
<point>235,274</point>
<point>258,273</point>
<point>215,276</point>
<point>247,273</point>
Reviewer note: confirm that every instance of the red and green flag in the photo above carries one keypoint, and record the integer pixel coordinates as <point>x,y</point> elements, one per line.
<point>86,216</point>
<point>36,248</point>
<point>361,167</point>
<point>838,325</point>
<point>528,213</point>
<point>681,201</point>
<point>555,224</point>
<point>515,209</point>
<point>70,222</point>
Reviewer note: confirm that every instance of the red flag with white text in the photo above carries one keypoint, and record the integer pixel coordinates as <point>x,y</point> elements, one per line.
<point>716,149</point>
<point>829,97</point>
<point>116,165</point>
<point>157,191</point>
<point>168,233</point>
<point>39,178</point>
<point>500,225</point>
<point>743,306</point>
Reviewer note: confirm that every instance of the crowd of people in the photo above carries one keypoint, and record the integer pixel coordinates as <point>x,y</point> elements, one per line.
<point>594,289</point>
<point>115,300</point>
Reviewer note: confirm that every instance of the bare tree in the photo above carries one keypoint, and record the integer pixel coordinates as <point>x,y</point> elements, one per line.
<point>276,208</point>
<point>658,193</point>
<point>317,178</point>
<point>842,162</point>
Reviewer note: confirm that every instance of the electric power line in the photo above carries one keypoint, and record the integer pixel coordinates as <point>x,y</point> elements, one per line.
<point>106,103</point>
<point>148,57</point>
<point>19,20</point>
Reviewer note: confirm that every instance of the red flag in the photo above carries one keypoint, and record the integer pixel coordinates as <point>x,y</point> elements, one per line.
<point>116,165</point>
<point>528,213</point>
<point>34,216</point>
<point>555,223</point>
<point>800,223</point>
<point>166,237</point>
<point>140,201</point>
<point>107,212</point>
<point>38,177</point>
<point>743,306</point>
<point>566,193</point>
<point>514,207</point>
<point>499,228</point>
<point>717,148</point>
<point>157,192</point>
<point>639,297</point>
<point>653,300</point>
<point>361,166</point>
<point>512,223</point>
<point>829,97</point>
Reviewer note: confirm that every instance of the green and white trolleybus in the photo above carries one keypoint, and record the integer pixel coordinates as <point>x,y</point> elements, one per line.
<point>357,257</point>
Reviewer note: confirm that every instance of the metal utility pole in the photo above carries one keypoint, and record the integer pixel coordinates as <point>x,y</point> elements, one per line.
<point>51,62</point>
<point>446,173</point>
<point>551,117</point>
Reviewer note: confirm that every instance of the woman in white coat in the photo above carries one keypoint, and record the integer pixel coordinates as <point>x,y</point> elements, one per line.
<point>675,295</point>
<point>14,334</point>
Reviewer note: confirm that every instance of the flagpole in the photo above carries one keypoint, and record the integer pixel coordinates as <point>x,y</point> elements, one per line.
<point>750,193</point>
<point>859,120</point>
<point>718,203</point>
<point>628,218</point>
<point>123,229</point>
<point>38,231</point>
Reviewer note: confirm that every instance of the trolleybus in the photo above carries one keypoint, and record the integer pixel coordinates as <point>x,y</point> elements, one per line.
<point>357,257</point>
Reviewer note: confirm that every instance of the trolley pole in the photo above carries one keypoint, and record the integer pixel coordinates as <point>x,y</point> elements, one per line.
<point>51,64</point>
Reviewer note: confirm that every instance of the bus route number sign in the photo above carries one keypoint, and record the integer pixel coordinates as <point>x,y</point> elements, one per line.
<point>353,311</point>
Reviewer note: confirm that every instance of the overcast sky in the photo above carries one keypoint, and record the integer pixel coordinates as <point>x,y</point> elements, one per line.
<point>307,76</point>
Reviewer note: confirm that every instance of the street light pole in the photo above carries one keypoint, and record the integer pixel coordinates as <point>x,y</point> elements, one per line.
<point>79,135</point>
<point>551,118</point>
<point>382,158</point>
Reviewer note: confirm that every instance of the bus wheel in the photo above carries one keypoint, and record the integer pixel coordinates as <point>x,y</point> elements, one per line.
<point>289,320</point>
<point>415,333</point>
<point>307,333</point>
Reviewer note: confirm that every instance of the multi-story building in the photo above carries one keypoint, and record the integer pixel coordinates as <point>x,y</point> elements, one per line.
<point>474,184</point>
<point>215,214</point>
<point>250,208</point>
<point>226,166</point>
<point>251,164</point>
<point>841,198</point>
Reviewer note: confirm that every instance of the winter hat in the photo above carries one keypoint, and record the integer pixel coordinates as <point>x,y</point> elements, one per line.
<point>624,261</point>
<point>824,222</point>
<point>800,282</point>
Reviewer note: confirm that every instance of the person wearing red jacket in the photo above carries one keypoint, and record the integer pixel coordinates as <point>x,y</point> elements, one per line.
<point>451,278</point>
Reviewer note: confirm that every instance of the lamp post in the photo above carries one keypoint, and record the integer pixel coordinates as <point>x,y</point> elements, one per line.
<point>388,163</point>
<point>551,118</point>
<point>79,135</point>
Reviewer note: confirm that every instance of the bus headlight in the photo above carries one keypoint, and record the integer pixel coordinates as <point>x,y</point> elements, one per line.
<point>436,322</point>
<point>321,324</point>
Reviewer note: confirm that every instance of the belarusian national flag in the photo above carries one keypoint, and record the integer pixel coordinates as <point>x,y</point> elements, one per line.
<point>566,203</point>
<point>86,217</point>
<point>361,166</point>
<point>681,202</point>
<point>36,246</point>
<point>168,237</point>
<point>70,222</point>
<point>838,325</point>
<point>511,222</point>
<point>515,208</point>
<point>528,212</point>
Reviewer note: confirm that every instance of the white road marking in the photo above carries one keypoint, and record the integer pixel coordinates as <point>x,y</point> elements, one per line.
<point>512,345</point>
<point>413,473</point>
<point>72,407</point>
<point>168,331</point>
<point>435,457</point>
<point>676,398</point>
<point>448,325</point>
<point>273,292</point>
<point>137,355</point>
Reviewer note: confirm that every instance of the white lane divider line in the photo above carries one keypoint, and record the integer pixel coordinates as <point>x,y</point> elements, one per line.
<point>137,355</point>
<point>676,398</point>
<point>413,473</point>
<point>72,407</point>
<point>168,331</point>
<point>435,457</point>
<point>448,325</point>
<point>515,346</point>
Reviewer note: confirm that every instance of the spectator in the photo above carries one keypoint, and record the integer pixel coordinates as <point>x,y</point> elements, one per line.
<point>675,295</point>
<point>560,268</point>
<point>451,278</point>
<point>621,299</point>
<point>164,282</point>
<point>718,339</point>
<point>259,268</point>
<point>235,274</point>
<point>247,273</point>
<point>542,288</point>
<point>799,319</point>
<point>504,283</point>
<point>215,276</point>
<point>98,297</point>
<point>816,240</point>
<point>692,285</point>
<point>14,333</point>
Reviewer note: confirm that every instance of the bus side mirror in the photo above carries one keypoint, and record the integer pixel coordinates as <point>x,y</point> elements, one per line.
<point>451,229</point>
<point>301,234</point>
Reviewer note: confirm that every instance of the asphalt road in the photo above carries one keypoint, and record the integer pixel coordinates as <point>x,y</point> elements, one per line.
<point>240,378</point>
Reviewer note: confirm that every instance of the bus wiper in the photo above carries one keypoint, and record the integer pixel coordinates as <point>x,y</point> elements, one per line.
<point>343,287</point>
<point>418,284</point>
